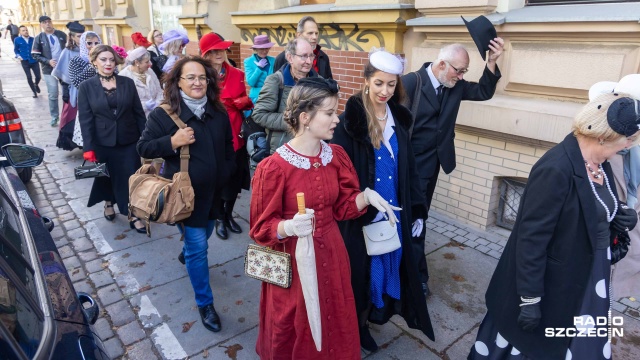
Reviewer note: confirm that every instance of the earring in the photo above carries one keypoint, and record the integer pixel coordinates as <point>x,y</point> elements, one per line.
<point>601,142</point>
<point>366,90</point>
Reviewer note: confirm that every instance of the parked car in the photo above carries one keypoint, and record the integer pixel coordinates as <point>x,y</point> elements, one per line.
<point>11,130</point>
<point>41,315</point>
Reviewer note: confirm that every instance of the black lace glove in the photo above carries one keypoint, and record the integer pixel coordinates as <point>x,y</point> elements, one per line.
<point>530,316</point>
<point>626,219</point>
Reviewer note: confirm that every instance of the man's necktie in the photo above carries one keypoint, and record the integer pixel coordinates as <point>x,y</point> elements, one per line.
<point>440,93</point>
<point>53,40</point>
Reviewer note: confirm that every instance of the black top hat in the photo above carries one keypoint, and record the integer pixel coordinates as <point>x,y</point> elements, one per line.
<point>482,32</point>
<point>623,116</point>
<point>75,27</point>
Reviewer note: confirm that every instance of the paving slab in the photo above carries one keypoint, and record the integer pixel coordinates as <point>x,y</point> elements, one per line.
<point>236,299</point>
<point>241,347</point>
<point>627,347</point>
<point>459,277</point>
<point>404,347</point>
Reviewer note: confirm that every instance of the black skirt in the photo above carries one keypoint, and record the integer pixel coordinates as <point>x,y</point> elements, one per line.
<point>122,161</point>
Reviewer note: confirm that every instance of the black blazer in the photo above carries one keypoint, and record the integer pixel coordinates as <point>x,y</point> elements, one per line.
<point>324,66</point>
<point>212,158</point>
<point>98,123</point>
<point>433,131</point>
<point>550,251</point>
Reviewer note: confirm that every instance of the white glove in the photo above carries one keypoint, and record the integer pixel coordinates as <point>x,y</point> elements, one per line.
<point>150,104</point>
<point>417,227</point>
<point>371,197</point>
<point>301,224</point>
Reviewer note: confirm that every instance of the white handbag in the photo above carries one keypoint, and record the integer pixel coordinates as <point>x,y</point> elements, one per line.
<point>381,238</point>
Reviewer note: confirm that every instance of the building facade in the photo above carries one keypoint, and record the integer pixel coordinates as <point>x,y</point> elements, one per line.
<point>554,51</point>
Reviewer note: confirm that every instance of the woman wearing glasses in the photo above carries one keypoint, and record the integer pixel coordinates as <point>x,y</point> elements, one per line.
<point>111,120</point>
<point>147,84</point>
<point>233,94</point>
<point>80,70</point>
<point>155,38</point>
<point>192,93</point>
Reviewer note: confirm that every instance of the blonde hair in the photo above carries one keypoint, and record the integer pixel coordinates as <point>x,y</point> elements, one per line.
<point>173,47</point>
<point>151,34</point>
<point>592,121</point>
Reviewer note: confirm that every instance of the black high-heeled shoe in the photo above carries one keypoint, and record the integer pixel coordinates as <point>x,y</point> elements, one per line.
<point>109,217</point>
<point>132,224</point>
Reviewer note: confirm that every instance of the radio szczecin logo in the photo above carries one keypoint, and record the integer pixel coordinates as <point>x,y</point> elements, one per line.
<point>588,326</point>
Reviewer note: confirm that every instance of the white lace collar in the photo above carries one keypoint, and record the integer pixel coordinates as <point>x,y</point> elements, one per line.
<point>301,161</point>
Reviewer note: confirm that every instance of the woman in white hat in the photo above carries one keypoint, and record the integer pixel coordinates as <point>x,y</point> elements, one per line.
<point>374,131</point>
<point>553,278</point>
<point>139,70</point>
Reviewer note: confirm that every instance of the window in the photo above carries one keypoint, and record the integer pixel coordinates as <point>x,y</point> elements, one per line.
<point>164,14</point>
<point>511,191</point>
<point>21,319</point>
<point>566,2</point>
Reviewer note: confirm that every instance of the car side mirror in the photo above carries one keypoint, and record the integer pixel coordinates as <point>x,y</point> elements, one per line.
<point>23,156</point>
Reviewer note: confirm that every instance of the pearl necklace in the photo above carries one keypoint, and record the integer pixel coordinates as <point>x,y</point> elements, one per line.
<point>593,172</point>
<point>386,115</point>
<point>615,202</point>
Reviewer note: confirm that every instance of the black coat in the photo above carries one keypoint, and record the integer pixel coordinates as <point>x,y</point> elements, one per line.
<point>550,251</point>
<point>212,157</point>
<point>433,131</point>
<point>98,123</point>
<point>324,66</point>
<point>352,134</point>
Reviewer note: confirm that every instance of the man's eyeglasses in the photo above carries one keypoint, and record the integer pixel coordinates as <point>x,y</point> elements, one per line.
<point>194,79</point>
<point>459,72</point>
<point>306,57</point>
<point>91,43</point>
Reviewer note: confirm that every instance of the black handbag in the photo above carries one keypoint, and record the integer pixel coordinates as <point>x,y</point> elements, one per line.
<point>90,171</point>
<point>619,246</point>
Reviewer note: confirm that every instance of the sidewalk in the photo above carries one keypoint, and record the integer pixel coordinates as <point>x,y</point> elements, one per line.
<point>146,300</point>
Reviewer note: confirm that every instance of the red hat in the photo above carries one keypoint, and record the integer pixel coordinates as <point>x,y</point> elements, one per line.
<point>212,41</point>
<point>140,40</point>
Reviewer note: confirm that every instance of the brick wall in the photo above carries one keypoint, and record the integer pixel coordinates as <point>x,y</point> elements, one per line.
<point>470,192</point>
<point>346,67</point>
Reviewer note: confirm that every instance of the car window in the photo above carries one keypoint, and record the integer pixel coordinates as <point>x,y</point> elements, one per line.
<point>13,247</point>
<point>21,320</point>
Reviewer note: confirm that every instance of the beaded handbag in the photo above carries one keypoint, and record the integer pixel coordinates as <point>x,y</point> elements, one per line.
<point>268,265</point>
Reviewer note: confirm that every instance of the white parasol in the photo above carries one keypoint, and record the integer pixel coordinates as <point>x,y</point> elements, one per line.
<point>306,260</point>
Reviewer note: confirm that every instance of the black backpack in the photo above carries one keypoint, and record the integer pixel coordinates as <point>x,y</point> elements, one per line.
<point>257,139</point>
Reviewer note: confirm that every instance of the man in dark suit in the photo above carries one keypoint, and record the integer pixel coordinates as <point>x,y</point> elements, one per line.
<point>308,29</point>
<point>47,47</point>
<point>442,90</point>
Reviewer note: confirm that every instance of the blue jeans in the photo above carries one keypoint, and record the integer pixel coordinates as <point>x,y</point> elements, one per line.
<point>195,257</point>
<point>52,90</point>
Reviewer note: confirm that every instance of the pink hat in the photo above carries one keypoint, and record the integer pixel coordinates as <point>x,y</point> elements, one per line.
<point>261,42</point>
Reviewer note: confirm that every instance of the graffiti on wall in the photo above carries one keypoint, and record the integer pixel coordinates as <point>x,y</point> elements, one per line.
<point>330,37</point>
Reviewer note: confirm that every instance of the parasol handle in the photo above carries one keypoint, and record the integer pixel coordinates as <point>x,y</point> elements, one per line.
<point>301,207</point>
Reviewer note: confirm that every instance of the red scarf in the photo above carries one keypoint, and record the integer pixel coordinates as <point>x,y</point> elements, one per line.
<point>315,59</point>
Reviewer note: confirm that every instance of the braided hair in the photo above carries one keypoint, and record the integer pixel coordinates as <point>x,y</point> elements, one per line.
<point>307,97</point>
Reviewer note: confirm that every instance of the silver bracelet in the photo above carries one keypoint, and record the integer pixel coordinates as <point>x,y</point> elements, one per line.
<point>530,301</point>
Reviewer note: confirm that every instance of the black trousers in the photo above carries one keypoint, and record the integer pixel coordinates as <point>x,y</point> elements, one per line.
<point>28,67</point>
<point>419,241</point>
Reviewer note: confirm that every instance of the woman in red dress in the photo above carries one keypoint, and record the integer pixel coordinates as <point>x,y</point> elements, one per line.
<point>326,176</point>
<point>233,93</point>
